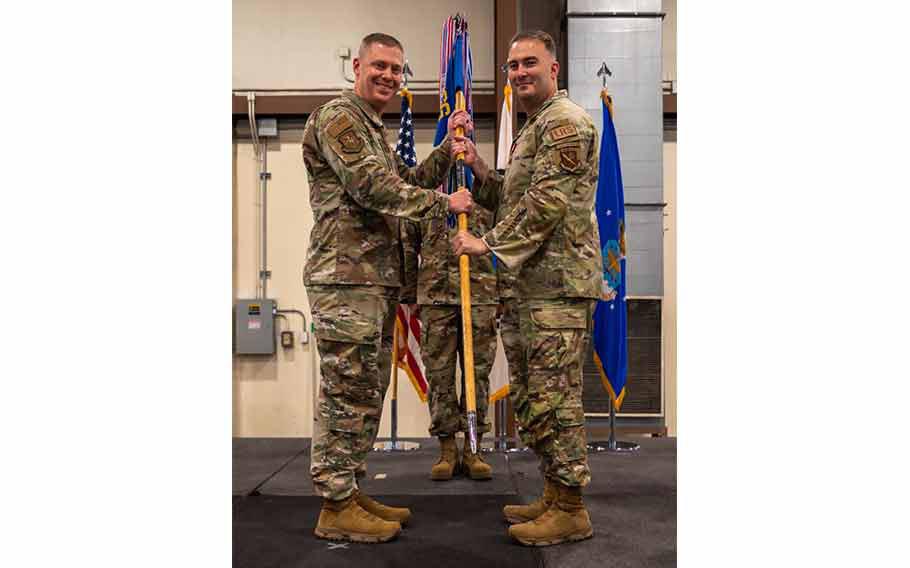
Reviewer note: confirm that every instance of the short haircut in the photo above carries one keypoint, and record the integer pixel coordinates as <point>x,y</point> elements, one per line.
<point>537,35</point>
<point>384,39</point>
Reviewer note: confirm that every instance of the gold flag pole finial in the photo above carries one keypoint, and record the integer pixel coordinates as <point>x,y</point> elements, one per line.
<point>404,92</point>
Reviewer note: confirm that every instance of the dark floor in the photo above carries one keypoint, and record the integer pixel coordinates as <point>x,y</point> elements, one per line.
<point>631,500</point>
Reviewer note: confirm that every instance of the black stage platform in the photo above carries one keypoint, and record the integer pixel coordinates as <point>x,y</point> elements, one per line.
<point>631,499</point>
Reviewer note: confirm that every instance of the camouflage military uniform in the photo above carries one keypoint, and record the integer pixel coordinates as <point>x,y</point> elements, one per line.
<point>436,286</point>
<point>358,189</point>
<point>548,240</point>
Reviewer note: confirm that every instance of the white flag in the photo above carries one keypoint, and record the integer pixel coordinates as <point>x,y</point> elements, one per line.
<point>505,130</point>
<point>499,374</point>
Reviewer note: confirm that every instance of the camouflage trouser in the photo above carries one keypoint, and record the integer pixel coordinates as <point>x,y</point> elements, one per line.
<point>440,347</point>
<point>353,326</point>
<point>546,384</point>
<point>510,332</point>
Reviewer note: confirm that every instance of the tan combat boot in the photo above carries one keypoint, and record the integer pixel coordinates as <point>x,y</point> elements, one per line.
<point>448,460</point>
<point>565,520</point>
<point>384,512</point>
<point>346,520</point>
<point>472,464</point>
<point>523,513</point>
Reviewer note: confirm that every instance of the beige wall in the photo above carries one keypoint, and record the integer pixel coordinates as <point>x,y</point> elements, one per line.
<point>273,396</point>
<point>270,393</point>
<point>289,44</point>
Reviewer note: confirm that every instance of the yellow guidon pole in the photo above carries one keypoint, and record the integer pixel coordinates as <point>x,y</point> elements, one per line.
<point>465,269</point>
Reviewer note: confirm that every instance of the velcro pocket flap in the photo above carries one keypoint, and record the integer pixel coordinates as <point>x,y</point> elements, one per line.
<point>349,423</point>
<point>571,416</point>
<point>560,318</point>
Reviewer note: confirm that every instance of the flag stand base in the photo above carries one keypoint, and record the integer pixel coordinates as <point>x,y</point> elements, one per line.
<point>613,445</point>
<point>617,446</point>
<point>395,446</point>
<point>502,443</point>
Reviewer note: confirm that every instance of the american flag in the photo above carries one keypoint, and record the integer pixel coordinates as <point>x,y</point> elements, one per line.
<point>405,147</point>
<point>407,326</point>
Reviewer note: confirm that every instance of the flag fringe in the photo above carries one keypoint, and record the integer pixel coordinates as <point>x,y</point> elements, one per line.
<point>414,381</point>
<point>616,400</point>
<point>500,394</point>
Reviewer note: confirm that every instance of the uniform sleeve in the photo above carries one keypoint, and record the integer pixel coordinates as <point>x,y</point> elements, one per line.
<point>560,162</point>
<point>431,172</point>
<point>365,177</point>
<point>489,193</point>
<point>410,244</point>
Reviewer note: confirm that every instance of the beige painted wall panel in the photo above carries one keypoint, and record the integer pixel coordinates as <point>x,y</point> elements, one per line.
<point>286,44</point>
<point>273,396</point>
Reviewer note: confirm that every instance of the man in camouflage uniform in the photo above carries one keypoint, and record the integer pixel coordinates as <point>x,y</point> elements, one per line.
<point>547,233</point>
<point>435,287</point>
<point>358,189</point>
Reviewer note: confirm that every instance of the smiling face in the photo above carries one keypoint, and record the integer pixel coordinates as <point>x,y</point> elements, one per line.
<point>532,72</point>
<point>377,74</point>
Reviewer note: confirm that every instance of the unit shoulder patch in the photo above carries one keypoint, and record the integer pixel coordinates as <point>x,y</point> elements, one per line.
<point>339,124</point>
<point>351,142</point>
<point>569,158</point>
<point>345,140</point>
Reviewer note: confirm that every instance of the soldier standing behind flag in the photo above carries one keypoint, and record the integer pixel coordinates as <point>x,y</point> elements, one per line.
<point>547,233</point>
<point>358,189</point>
<point>434,282</point>
<point>434,286</point>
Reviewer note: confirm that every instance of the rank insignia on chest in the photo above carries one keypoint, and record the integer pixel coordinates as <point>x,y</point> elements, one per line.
<point>351,143</point>
<point>568,158</point>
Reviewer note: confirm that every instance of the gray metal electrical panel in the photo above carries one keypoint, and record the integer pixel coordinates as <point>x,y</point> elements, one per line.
<point>254,327</point>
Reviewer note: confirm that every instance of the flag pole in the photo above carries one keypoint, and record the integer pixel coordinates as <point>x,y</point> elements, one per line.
<point>502,443</point>
<point>465,270</point>
<point>394,403</point>
<point>395,445</point>
<point>612,444</point>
